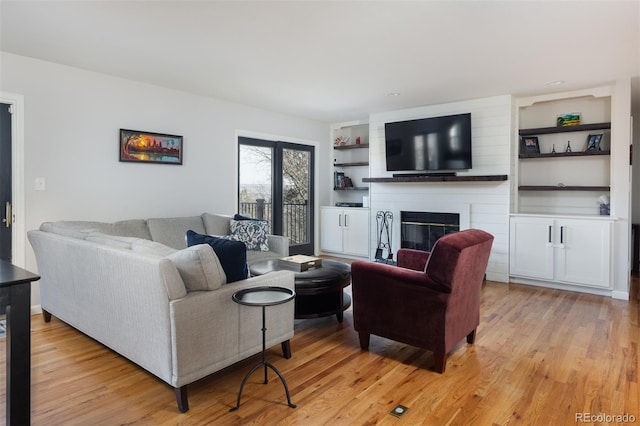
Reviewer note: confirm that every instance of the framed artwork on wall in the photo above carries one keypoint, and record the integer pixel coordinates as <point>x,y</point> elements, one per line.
<point>148,147</point>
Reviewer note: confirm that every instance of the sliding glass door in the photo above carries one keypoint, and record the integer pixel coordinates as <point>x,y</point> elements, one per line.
<point>275,183</point>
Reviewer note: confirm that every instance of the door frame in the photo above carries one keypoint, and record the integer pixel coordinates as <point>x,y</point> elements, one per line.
<point>18,229</point>
<point>275,138</point>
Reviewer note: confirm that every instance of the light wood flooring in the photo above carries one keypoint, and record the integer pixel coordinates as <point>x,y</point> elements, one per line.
<point>541,357</point>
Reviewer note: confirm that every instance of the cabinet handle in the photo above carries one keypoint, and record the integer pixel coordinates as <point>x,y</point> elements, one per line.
<point>549,233</point>
<point>346,224</point>
<point>340,219</point>
<point>562,235</point>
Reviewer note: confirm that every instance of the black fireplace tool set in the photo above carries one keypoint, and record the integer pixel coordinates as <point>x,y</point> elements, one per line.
<point>384,231</point>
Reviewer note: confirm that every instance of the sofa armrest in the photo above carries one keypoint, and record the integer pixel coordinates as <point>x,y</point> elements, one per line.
<point>278,244</point>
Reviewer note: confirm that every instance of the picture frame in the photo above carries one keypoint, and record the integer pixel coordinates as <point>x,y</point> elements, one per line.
<point>148,147</point>
<point>570,119</point>
<point>593,142</point>
<point>530,145</point>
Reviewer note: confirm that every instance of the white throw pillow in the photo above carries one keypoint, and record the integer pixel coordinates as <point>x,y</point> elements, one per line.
<point>199,268</point>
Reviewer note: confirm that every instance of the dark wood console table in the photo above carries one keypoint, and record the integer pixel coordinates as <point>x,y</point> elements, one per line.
<point>18,363</point>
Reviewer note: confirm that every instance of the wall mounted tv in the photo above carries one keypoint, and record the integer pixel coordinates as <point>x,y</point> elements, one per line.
<point>428,145</point>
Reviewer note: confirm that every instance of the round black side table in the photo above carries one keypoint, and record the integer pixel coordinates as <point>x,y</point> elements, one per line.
<point>263,296</point>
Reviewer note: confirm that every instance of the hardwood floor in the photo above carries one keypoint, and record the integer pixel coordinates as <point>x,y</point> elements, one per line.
<point>541,357</point>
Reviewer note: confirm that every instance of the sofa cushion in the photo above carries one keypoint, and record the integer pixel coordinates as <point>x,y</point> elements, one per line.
<point>232,254</point>
<point>199,268</point>
<point>116,241</point>
<point>132,228</point>
<point>152,248</point>
<point>171,231</point>
<point>216,224</point>
<point>68,230</point>
<point>252,232</point>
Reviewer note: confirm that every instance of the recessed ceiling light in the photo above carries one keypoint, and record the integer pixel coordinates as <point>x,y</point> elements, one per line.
<point>393,94</point>
<point>555,83</point>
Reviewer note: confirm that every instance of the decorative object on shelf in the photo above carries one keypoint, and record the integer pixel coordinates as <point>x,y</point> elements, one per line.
<point>553,148</point>
<point>342,140</point>
<point>605,205</point>
<point>338,177</point>
<point>347,182</point>
<point>568,147</point>
<point>571,119</point>
<point>531,145</point>
<point>593,142</point>
<point>384,230</point>
<point>149,147</point>
<point>358,140</point>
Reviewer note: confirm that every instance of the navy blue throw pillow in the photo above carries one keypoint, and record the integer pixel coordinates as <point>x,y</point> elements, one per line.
<point>238,216</point>
<point>232,254</point>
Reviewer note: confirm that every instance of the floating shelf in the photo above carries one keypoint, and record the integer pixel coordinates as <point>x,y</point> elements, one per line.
<point>357,146</point>
<point>351,188</point>
<point>486,178</point>
<point>360,163</point>
<point>564,129</point>
<point>562,188</point>
<point>564,154</point>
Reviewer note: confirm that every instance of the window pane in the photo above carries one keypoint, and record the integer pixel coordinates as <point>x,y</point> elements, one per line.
<point>256,172</point>
<point>295,190</point>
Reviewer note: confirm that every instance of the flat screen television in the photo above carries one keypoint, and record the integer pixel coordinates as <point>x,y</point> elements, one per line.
<point>427,145</point>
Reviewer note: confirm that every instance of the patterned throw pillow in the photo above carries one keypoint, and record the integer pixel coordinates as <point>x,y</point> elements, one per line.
<point>253,233</point>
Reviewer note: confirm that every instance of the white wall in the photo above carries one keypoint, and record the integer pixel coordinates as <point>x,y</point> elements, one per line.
<point>72,119</point>
<point>485,204</point>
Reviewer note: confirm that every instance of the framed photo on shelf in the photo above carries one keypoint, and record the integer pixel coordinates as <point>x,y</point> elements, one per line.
<point>593,142</point>
<point>571,119</point>
<point>530,145</point>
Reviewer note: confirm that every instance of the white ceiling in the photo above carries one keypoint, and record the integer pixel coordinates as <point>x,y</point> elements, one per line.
<point>335,60</point>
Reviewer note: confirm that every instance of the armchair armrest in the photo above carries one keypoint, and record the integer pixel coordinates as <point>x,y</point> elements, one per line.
<point>413,259</point>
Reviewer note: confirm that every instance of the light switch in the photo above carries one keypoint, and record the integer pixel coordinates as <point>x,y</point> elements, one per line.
<point>40,184</point>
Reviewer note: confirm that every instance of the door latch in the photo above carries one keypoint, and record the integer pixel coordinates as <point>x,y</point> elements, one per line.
<point>7,215</point>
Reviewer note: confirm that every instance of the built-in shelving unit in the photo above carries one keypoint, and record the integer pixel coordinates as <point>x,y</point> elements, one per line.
<point>350,160</point>
<point>556,179</point>
<point>558,232</point>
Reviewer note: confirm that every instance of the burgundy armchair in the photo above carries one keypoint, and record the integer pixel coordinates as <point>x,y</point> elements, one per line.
<point>430,300</point>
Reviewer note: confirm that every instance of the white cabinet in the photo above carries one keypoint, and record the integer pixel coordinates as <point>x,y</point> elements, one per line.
<point>344,230</point>
<point>567,250</point>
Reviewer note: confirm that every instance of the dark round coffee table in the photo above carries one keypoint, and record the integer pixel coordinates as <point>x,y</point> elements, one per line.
<point>319,291</point>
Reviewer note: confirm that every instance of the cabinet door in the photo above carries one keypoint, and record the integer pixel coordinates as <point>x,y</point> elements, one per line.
<point>331,223</point>
<point>583,255</point>
<point>531,247</point>
<point>356,232</point>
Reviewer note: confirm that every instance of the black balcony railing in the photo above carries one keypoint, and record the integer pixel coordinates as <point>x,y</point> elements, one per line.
<point>295,218</point>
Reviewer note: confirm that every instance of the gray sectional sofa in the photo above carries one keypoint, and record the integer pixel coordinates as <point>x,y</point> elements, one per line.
<point>135,287</point>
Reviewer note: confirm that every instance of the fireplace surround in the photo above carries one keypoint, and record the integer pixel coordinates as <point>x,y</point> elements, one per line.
<point>420,230</point>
